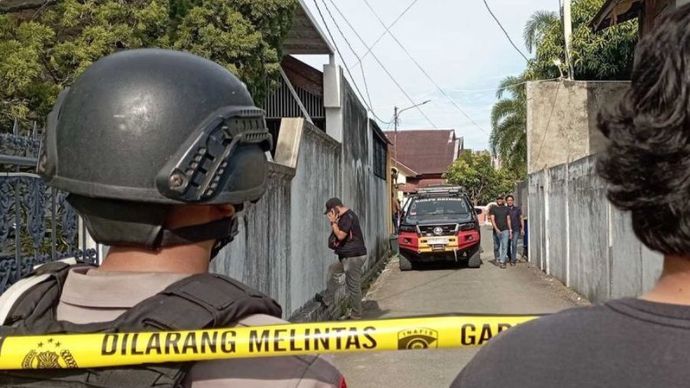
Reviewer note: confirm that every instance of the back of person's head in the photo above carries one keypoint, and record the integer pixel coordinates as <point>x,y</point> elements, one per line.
<point>144,133</point>
<point>647,163</point>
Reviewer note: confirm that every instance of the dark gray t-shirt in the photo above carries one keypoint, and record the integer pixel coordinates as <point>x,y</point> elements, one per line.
<point>622,343</point>
<point>353,245</point>
<point>501,213</point>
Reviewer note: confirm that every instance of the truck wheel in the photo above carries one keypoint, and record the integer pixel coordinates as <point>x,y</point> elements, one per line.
<point>405,264</point>
<point>474,261</point>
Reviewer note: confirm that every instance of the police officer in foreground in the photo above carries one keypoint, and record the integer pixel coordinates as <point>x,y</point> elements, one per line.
<point>633,342</point>
<point>159,150</point>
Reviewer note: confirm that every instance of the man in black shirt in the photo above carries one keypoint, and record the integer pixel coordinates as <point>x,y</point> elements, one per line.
<point>500,220</point>
<point>517,228</point>
<point>347,240</point>
<point>497,242</point>
<point>629,342</point>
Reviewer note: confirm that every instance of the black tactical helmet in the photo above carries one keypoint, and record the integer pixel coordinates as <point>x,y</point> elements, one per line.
<point>143,130</point>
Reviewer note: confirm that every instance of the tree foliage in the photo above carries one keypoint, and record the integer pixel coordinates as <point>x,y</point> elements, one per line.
<point>606,55</point>
<point>509,122</point>
<point>475,172</point>
<point>43,53</point>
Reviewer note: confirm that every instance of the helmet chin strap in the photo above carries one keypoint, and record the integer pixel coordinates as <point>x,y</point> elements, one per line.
<point>223,231</point>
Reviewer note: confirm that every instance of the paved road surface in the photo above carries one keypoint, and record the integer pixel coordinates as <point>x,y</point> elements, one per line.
<point>443,289</point>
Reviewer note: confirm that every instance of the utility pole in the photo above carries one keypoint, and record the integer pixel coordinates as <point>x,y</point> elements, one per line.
<point>396,115</point>
<point>395,118</point>
<point>395,136</point>
<point>568,34</point>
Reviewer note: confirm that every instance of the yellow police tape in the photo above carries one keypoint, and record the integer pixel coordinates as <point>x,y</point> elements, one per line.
<point>103,350</point>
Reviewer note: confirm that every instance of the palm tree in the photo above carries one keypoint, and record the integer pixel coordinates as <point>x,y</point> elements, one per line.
<point>509,125</point>
<point>537,25</point>
<point>509,115</point>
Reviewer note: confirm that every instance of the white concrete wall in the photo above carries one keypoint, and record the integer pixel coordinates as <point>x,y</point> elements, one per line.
<point>282,249</point>
<point>317,180</point>
<point>362,191</point>
<point>576,235</point>
<point>562,120</point>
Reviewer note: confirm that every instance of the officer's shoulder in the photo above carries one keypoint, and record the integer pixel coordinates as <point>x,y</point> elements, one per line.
<point>308,371</point>
<point>322,361</point>
<point>259,320</point>
<point>546,344</point>
<point>547,336</point>
<point>552,328</point>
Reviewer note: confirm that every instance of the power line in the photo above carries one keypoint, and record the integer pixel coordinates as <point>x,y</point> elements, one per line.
<point>505,87</point>
<point>389,27</point>
<point>377,60</point>
<point>504,31</point>
<point>323,19</point>
<point>359,61</point>
<point>419,66</point>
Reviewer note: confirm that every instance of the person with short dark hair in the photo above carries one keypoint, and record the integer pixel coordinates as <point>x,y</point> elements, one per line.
<point>162,187</point>
<point>632,342</point>
<point>518,228</point>
<point>500,221</point>
<point>497,242</point>
<point>347,241</point>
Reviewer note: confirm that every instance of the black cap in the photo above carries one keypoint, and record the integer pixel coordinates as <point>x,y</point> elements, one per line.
<point>331,203</point>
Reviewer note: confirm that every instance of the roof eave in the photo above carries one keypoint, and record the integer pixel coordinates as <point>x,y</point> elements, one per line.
<point>306,37</point>
<point>605,17</point>
<point>407,169</point>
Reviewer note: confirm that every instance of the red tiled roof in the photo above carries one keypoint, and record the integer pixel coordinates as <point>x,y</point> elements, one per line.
<point>431,182</point>
<point>407,188</point>
<point>425,151</point>
<point>412,187</point>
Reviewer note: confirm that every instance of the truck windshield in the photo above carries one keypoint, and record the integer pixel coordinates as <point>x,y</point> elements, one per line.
<point>437,208</point>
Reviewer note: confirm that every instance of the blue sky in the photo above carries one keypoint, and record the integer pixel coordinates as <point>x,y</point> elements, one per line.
<point>456,42</point>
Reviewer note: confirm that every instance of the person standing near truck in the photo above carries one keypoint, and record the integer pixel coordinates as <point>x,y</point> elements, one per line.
<point>500,220</point>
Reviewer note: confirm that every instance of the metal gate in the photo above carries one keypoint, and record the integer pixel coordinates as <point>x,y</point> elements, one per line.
<point>37,224</point>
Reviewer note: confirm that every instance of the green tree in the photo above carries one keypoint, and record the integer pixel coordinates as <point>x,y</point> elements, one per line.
<point>537,25</point>
<point>606,55</point>
<point>43,53</point>
<point>476,174</point>
<point>509,122</point>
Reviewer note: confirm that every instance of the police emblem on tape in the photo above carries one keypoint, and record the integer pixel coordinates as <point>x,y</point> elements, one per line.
<point>418,338</point>
<point>49,355</point>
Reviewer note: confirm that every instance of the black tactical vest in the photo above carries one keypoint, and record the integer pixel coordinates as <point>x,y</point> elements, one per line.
<point>196,302</point>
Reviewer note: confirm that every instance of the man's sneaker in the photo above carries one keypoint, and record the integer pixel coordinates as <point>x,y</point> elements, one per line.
<point>513,263</point>
<point>503,265</point>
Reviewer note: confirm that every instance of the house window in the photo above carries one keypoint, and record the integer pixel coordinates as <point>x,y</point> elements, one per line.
<point>379,158</point>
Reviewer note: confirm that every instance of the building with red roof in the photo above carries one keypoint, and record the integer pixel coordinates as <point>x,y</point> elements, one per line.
<point>427,153</point>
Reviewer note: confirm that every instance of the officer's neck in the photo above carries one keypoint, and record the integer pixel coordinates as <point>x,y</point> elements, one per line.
<point>674,284</point>
<point>190,259</point>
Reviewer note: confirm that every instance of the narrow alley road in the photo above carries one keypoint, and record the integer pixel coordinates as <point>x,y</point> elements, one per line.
<point>437,290</point>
